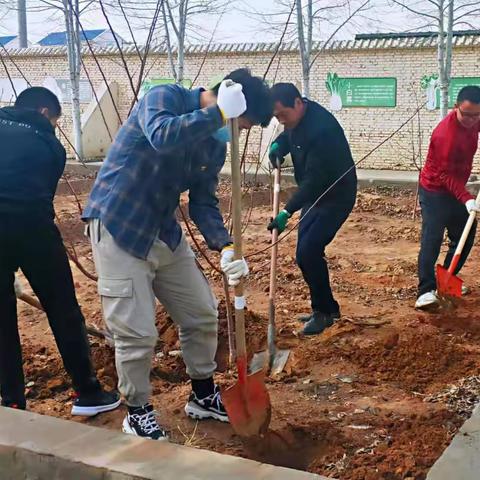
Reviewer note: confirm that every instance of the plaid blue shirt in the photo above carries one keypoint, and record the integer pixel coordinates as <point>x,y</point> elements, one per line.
<point>163,149</point>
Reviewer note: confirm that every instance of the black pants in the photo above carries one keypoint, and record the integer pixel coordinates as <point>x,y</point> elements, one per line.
<point>315,232</point>
<point>35,246</point>
<point>440,212</point>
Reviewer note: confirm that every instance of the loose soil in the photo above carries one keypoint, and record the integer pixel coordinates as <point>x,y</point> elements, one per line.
<point>353,402</point>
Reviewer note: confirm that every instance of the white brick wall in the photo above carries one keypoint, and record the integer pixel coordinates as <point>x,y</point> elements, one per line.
<point>365,127</point>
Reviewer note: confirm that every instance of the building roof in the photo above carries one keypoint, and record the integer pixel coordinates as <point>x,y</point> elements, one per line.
<point>7,39</point>
<point>469,38</point>
<point>394,35</point>
<point>60,38</point>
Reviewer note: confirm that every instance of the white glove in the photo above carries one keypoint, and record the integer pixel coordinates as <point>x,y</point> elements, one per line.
<point>231,100</point>
<point>234,269</point>
<point>18,287</point>
<point>471,206</point>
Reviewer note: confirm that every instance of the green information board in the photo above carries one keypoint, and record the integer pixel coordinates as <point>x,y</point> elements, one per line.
<point>154,82</point>
<point>456,84</point>
<point>361,92</point>
<point>369,92</point>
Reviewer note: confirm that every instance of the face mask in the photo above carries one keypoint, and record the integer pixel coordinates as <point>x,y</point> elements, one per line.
<point>222,135</point>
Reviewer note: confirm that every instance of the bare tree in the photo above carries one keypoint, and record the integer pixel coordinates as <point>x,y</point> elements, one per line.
<point>183,18</point>
<point>313,20</point>
<point>444,16</point>
<point>71,11</point>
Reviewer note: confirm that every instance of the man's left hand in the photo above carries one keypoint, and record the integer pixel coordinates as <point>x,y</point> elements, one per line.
<point>279,222</point>
<point>233,269</point>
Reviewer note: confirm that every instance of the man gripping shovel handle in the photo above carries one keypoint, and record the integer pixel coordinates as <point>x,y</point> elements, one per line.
<point>247,402</point>
<point>448,284</point>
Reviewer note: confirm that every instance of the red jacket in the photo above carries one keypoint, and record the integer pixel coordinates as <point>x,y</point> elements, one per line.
<point>450,158</point>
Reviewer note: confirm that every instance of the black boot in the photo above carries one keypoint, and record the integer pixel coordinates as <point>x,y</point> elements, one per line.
<point>306,318</point>
<point>318,323</point>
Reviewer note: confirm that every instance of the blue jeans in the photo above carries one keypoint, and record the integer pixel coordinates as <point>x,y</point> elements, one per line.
<point>440,212</point>
<point>315,232</point>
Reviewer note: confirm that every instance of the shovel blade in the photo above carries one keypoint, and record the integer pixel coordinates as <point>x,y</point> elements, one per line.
<point>248,405</point>
<point>279,361</point>
<point>260,361</point>
<point>448,285</point>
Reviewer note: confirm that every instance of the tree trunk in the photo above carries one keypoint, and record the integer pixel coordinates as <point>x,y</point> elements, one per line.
<point>448,48</point>
<point>302,46</point>
<point>73,54</point>
<point>443,83</point>
<point>22,23</point>
<point>182,30</point>
<point>169,43</point>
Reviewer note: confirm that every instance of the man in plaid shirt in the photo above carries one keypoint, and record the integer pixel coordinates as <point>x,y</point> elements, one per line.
<point>174,141</point>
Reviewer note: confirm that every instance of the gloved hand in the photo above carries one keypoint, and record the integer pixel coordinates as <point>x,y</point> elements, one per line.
<point>274,155</point>
<point>231,100</point>
<point>234,269</point>
<point>472,206</point>
<point>280,221</point>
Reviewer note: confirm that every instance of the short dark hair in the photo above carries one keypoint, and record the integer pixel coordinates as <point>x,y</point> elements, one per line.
<point>257,94</point>
<point>471,93</point>
<point>286,94</point>
<point>36,98</point>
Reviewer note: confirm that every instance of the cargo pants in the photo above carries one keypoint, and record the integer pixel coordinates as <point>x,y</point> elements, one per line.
<point>128,287</point>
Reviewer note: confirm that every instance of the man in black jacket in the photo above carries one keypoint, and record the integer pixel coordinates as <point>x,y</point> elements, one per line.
<point>31,163</point>
<point>321,159</point>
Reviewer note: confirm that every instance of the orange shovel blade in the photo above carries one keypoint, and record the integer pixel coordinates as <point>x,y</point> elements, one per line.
<point>448,284</point>
<point>248,405</point>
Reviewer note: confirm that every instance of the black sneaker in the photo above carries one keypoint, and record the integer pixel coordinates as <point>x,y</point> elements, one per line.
<point>208,407</point>
<point>142,422</point>
<point>318,323</point>
<point>91,404</point>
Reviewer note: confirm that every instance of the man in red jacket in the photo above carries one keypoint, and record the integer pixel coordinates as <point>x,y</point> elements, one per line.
<point>444,199</point>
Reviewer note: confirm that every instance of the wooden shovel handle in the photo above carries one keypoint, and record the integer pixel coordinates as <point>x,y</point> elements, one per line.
<point>276,209</point>
<point>237,237</point>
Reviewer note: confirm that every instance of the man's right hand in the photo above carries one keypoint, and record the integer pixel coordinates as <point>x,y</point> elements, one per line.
<point>471,206</point>
<point>231,100</point>
<point>274,155</point>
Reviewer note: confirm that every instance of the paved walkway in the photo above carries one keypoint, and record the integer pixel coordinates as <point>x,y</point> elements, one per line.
<point>461,460</point>
<point>46,448</point>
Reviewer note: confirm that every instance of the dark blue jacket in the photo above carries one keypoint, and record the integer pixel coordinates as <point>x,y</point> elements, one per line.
<point>32,161</point>
<point>321,155</point>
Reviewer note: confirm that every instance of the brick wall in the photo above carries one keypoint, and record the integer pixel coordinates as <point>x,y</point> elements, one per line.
<point>365,127</point>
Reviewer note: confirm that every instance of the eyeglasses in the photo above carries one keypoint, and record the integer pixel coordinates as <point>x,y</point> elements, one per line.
<point>469,114</point>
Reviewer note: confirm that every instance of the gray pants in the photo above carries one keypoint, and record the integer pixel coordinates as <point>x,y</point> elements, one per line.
<point>128,287</point>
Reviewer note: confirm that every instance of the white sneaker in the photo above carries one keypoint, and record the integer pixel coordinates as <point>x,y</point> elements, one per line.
<point>426,301</point>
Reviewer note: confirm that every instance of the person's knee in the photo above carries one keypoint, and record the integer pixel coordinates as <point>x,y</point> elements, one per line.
<point>135,346</point>
<point>307,250</point>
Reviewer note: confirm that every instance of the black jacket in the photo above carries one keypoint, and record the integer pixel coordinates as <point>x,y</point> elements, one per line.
<point>321,155</point>
<point>32,160</point>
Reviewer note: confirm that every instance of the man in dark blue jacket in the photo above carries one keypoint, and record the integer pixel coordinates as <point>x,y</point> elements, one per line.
<point>174,141</point>
<point>327,187</point>
<point>31,163</point>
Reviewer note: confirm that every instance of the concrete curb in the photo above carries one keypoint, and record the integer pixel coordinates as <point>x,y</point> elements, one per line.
<point>45,448</point>
<point>461,460</point>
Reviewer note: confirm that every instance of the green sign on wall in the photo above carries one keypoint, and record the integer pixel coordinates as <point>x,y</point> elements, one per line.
<point>361,92</point>
<point>456,84</point>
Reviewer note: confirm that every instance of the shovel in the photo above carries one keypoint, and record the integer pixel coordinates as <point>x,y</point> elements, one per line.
<point>247,402</point>
<point>448,284</point>
<point>272,360</point>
